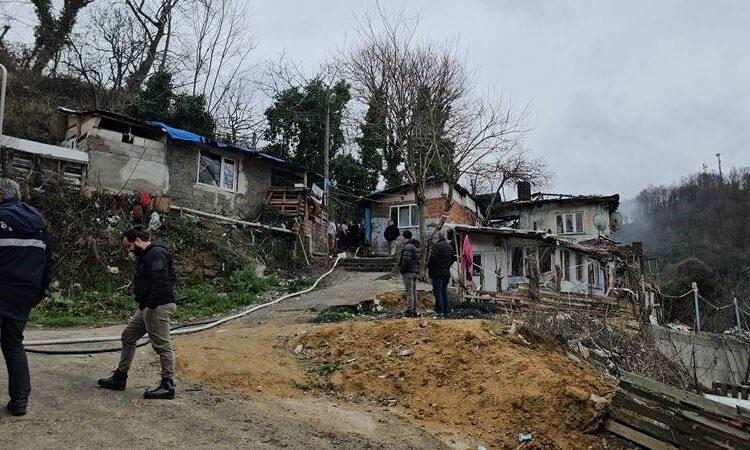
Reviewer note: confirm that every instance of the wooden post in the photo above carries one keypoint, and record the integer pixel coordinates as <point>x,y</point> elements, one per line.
<point>697,308</point>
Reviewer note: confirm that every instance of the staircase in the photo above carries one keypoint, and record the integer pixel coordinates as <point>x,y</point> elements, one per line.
<point>368,264</point>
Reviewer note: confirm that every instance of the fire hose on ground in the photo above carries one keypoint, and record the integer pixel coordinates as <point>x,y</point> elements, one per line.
<point>178,330</point>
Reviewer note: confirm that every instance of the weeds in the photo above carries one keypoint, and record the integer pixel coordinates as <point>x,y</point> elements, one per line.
<point>326,369</point>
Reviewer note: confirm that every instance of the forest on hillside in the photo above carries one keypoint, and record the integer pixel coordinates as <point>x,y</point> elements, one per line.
<point>697,230</point>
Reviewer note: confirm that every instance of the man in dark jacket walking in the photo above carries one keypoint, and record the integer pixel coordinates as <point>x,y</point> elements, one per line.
<point>409,264</point>
<point>439,266</point>
<point>153,288</point>
<point>391,234</point>
<point>26,269</point>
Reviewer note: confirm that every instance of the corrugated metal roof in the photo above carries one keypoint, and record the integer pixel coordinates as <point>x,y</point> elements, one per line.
<point>39,148</point>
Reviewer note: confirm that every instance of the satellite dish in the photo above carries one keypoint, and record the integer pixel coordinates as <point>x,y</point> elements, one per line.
<point>600,222</point>
<point>615,221</point>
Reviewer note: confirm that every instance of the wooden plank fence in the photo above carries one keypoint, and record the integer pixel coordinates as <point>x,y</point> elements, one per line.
<point>656,416</point>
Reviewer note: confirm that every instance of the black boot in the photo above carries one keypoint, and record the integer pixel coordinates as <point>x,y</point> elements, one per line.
<point>116,382</point>
<point>165,390</point>
<point>17,407</point>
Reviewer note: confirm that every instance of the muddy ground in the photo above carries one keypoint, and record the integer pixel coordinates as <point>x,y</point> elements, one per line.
<point>67,410</point>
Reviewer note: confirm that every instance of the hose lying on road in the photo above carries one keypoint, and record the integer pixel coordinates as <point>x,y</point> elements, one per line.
<point>179,331</point>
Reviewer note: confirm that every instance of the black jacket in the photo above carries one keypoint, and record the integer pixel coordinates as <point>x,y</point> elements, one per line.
<point>410,257</point>
<point>154,277</point>
<point>391,233</point>
<point>441,259</point>
<point>26,263</point>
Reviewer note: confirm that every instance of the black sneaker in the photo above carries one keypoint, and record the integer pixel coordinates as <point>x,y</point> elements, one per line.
<point>165,390</point>
<point>17,407</point>
<point>116,382</point>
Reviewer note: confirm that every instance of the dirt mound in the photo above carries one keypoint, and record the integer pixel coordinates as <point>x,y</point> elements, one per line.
<point>466,376</point>
<point>396,300</point>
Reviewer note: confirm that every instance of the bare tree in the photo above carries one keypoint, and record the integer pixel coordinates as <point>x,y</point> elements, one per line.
<point>510,166</point>
<point>216,44</point>
<point>51,33</point>
<point>154,19</point>
<point>107,55</point>
<point>236,116</point>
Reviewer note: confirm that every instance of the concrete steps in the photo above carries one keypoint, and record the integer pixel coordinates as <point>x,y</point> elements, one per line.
<point>368,264</point>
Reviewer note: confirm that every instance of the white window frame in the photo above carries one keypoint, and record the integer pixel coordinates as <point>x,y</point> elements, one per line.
<point>572,215</point>
<point>413,220</point>
<point>224,160</point>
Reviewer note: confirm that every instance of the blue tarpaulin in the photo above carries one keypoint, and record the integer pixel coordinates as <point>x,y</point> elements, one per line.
<point>176,133</point>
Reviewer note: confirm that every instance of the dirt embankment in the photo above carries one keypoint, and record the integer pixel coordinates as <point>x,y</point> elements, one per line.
<point>465,378</point>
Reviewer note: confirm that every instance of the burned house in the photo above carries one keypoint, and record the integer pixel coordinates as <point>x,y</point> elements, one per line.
<point>399,204</point>
<point>510,266</point>
<point>576,217</point>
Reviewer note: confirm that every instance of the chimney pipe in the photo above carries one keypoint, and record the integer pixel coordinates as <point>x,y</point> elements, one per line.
<point>524,190</point>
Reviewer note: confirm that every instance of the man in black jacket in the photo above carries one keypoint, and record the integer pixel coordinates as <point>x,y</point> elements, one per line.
<point>152,285</point>
<point>26,269</point>
<point>439,266</point>
<point>409,264</point>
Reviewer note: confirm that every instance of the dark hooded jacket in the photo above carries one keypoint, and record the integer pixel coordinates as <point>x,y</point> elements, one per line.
<point>441,259</point>
<point>410,257</point>
<point>154,277</point>
<point>26,262</point>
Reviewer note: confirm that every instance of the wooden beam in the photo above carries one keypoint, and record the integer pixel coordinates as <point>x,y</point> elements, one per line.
<point>636,436</point>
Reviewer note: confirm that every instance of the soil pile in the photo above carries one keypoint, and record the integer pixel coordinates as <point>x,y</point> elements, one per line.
<point>465,376</point>
<point>396,300</point>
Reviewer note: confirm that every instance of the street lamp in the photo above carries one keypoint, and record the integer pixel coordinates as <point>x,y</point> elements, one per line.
<point>326,147</point>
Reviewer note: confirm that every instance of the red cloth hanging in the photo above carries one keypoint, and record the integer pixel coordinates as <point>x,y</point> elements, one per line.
<point>467,257</point>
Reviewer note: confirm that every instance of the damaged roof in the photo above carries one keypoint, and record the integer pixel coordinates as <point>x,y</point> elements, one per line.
<point>542,198</point>
<point>538,235</point>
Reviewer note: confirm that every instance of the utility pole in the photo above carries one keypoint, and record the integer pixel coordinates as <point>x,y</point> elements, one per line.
<point>718,156</point>
<point>326,148</point>
<point>697,308</point>
<point>2,109</point>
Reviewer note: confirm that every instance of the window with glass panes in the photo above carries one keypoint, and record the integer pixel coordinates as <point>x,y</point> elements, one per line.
<point>217,171</point>
<point>570,223</point>
<point>406,216</point>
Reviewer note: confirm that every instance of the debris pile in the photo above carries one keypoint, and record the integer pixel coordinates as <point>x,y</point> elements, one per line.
<point>397,299</point>
<point>474,377</point>
<point>611,347</point>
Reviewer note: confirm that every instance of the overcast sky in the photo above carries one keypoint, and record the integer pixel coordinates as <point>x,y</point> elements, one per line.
<point>623,93</point>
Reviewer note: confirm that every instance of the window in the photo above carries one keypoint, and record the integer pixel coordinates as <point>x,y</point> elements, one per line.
<point>405,216</point>
<point>570,223</point>
<point>579,267</point>
<point>545,259</point>
<point>516,265</point>
<point>566,265</point>
<point>214,170</point>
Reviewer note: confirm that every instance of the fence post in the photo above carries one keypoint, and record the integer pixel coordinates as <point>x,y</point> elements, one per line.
<point>737,314</point>
<point>697,307</point>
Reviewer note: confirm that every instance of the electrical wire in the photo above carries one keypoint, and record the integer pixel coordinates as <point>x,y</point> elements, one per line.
<point>188,330</point>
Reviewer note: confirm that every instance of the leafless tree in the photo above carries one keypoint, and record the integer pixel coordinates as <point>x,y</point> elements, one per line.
<point>154,18</point>
<point>51,33</point>
<point>236,117</point>
<point>514,164</point>
<point>216,44</point>
<point>107,54</point>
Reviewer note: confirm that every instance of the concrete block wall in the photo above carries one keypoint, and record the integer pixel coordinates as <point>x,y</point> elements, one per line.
<point>253,182</point>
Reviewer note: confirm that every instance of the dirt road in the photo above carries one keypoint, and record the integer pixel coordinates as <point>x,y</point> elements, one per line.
<point>67,410</point>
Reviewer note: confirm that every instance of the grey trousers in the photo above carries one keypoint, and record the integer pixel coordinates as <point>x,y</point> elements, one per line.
<point>155,322</point>
<point>410,284</point>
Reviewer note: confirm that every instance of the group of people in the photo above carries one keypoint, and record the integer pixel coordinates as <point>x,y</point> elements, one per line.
<point>26,272</point>
<point>343,237</point>
<point>439,265</point>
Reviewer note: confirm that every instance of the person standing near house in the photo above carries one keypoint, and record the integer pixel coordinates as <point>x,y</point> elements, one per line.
<point>439,267</point>
<point>391,234</point>
<point>331,231</point>
<point>409,265</point>
<point>26,270</point>
<point>153,288</point>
